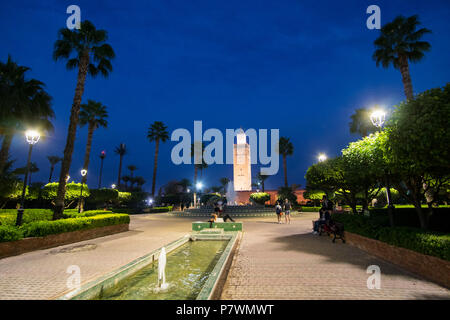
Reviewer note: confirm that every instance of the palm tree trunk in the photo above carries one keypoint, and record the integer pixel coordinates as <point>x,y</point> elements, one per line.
<point>285,171</point>
<point>88,151</point>
<point>100,175</point>
<point>72,131</point>
<point>155,166</point>
<point>29,178</point>
<point>120,171</point>
<point>406,77</point>
<point>262,185</point>
<point>4,151</point>
<point>52,167</point>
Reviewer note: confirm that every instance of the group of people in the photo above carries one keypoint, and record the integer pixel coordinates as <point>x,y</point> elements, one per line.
<point>218,213</point>
<point>324,214</point>
<point>283,208</point>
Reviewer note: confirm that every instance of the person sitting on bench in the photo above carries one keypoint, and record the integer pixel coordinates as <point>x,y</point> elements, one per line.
<point>324,214</point>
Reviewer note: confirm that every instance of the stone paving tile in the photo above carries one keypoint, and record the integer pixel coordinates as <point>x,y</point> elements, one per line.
<point>42,274</point>
<point>288,262</point>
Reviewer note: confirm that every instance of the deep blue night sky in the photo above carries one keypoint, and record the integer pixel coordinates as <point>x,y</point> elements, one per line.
<point>300,66</point>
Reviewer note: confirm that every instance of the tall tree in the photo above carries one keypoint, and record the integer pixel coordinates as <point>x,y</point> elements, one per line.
<point>93,114</point>
<point>399,44</point>
<point>121,150</point>
<point>157,132</point>
<point>224,182</point>
<point>361,123</point>
<point>132,168</point>
<point>286,148</point>
<point>33,168</point>
<point>23,104</point>
<point>54,160</point>
<point>261,178</point>
<point>85,49</point>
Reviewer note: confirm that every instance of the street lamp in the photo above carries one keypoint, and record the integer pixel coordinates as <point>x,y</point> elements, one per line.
<point>67,178</point>
<point>83,174</point>
<point>102,156</point>
<point>198,187</point>
<point>378,117</point>
<point>32,137</point>
<point>113,186</point>
<point>322,157</point>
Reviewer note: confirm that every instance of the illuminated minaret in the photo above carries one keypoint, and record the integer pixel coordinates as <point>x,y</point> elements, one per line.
<point>242,171</point>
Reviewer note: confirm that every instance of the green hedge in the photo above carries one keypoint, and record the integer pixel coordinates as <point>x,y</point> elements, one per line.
<point>8,232</point>
<point>430,243</point>
<point>161,209</point>
<point>310,209</point>
<point>44,228</point>
<point>8,216</point>
<point>88,213</point>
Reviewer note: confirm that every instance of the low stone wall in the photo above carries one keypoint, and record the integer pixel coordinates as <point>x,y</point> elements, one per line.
<point>14,248</point>
<point>429,267</point>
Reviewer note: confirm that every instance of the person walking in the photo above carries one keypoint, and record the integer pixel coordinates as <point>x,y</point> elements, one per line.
<point>278,211</point>
<point>287,211</point>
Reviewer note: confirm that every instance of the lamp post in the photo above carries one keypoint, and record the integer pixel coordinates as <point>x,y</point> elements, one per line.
<point>198,187</point>
<point>32,137</point>
<point>378,117</point>
<point>83,174</point>
<point>322,157</point>
<point>102,156</point>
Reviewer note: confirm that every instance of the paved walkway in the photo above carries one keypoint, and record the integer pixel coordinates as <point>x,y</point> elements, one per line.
<point>42,274</point>
<point>273,262</point>
<point>288,262</point>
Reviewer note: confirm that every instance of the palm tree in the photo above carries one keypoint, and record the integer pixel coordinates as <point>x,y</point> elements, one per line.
<point>53,162</point>
<point>399,43</point>
<point>185,184</point>
<point>200,166</point>
<point>33,168</point>
<point>361,123</point>
<point>157,132</point>
<point>23,103</point>
<point>286,149</point>
<point>224,182</point>
<point>102,157</point>
<point>94,115</point>
<point>132,168</point>
<point>121,150</point>
<point>261,178</point>
<point>85,49</point>
<point>126,179</point>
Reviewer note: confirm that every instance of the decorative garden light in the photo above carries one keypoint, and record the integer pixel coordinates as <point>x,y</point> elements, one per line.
<point>32,137</point>
<point>322,157</point>
<point>113,186</point>
<point>378,117</point>
<point>188,190</point>
<point>83,174</point>
<point>199,185</point>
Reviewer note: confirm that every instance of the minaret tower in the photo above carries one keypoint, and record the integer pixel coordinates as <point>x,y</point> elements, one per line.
<point>242,172</point>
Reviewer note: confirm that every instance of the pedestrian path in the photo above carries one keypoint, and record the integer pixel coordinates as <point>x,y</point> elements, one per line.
<point>288,262</point>
<point>43,274</point>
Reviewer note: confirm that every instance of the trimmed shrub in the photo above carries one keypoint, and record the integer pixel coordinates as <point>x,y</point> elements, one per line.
<point>377,227</point>
<point>8,216</point>
<point>309,209</point>
<point>44,228</point>
<point>88,213</point>
<point>103,195</point>
<point>161,209</point>
<point>9,233</point>
<point>433,244</point>
<point>260,197</point>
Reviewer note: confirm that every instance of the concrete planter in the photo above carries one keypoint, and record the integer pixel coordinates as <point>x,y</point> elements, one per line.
<point>429,267</point>
<point>14,248</point>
